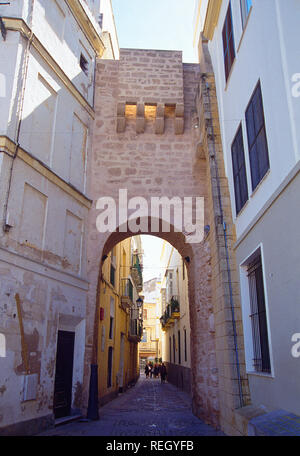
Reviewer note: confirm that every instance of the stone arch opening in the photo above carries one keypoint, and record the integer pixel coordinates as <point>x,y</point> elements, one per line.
<point>204,378</point>
<point>182,158</point>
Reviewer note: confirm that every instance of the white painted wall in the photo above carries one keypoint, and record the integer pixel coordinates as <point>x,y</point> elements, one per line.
<point>267,50</point>
<point>171,259</point>
<point>109,26</point>
<point>59,32</point>
<point>43,256</point>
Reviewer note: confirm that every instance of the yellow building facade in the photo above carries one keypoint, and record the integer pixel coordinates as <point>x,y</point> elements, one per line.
<point>120,319</point>
<point>150,346</point>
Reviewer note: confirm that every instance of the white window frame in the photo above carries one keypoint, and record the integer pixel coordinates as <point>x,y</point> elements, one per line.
<point>245,10</point>
<point>246,312</point>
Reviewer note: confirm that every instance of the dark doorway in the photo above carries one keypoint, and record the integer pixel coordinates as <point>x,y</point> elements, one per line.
<point>63,374</point>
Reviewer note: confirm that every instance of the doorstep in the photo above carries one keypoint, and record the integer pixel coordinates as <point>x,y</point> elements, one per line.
<point>66,419</point>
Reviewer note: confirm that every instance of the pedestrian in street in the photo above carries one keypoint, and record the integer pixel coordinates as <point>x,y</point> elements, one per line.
<point>155,370</point>
<point>163,373</point>
<point>151,370</point>
<point>147,370</point>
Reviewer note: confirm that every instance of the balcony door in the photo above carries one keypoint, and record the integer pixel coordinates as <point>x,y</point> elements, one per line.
<point>121,366</point>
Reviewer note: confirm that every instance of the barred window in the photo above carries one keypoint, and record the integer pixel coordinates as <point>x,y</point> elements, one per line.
<point>261,355</point>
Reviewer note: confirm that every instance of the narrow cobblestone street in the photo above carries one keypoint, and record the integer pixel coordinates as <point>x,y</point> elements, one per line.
<point>148,409</point>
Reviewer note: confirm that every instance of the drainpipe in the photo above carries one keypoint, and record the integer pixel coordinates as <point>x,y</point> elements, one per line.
<point>213,158</point>
<point>6,226</point>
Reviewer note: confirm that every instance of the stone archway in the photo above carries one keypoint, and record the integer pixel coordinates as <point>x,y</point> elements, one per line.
<point>145,141</point>
<point>203,359</point>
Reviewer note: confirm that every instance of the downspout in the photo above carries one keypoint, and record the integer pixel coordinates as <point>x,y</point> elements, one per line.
<point>213,157</point>
<point>6,226</point>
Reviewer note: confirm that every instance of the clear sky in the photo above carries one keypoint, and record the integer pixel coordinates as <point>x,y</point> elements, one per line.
<point>152,247</point>
<point>156,24</point>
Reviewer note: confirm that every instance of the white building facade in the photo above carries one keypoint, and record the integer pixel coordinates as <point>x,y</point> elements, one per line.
<point>255,59</point>
<point>48,52</point>
<point>175,318</point>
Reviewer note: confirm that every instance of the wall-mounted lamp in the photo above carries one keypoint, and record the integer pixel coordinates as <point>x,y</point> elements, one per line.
<point>139,302</point>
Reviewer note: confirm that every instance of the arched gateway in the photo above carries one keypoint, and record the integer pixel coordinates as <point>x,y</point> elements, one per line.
<point>156,134</point>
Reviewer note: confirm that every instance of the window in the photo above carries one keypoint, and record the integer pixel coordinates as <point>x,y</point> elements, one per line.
<point>174,349</point>
<point>170,349</point>
<point>185,346</point>
<point>179,348</point>
<point>113,267</point>
<point>112,316</point>
<point>228,42</point>
<point>112,275</point>
<point>109,367</point>
<point>84,64</point>
<point>239,171</point>
<point>144,339</point>
<point>245,8</point>
<point>261,356</point>
<point>257,140</point>
<point>145,314</point>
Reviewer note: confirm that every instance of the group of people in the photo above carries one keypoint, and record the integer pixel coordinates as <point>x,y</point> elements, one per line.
<point>156,370</point>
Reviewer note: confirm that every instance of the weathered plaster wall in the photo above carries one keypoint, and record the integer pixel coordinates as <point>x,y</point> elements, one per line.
<point>30,335</point>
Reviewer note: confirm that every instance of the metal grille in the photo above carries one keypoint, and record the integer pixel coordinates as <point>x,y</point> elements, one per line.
<point>261,360</point>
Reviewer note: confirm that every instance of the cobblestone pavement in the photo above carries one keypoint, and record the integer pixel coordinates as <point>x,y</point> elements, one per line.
<point>148,409</point>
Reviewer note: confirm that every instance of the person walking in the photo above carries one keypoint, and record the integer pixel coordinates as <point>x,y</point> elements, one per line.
<point>163,373</point>
<point>151,370</point>
<point>147,370</point>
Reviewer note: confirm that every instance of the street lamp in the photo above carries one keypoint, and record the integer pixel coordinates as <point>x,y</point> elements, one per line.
<point>139,302</point>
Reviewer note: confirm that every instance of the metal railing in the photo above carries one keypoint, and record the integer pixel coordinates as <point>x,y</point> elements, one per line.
<point>171,308</point>
<point>136,327</point>
<point>127,288</point>
<point>136,270</point>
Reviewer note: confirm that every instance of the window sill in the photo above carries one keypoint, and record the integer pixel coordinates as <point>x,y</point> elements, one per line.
<point>242,209</point>
<point>260,183</point>
<point>244,29</point>
<point>261,374</point>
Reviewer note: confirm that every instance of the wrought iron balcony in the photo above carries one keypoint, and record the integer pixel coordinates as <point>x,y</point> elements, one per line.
<point>171,313</point>
<point>136,272</point>
<point>135,330</point>
<point>126,293</point>
<point>175,307</point>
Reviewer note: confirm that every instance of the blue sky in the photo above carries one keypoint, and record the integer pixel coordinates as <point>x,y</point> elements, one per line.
<point>156,24</point>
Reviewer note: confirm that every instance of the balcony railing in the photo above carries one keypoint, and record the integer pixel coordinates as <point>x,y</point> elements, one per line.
<point>135,330</point>
<point>172,312</point>
<point>136,272</point>
<point>126,293</point>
